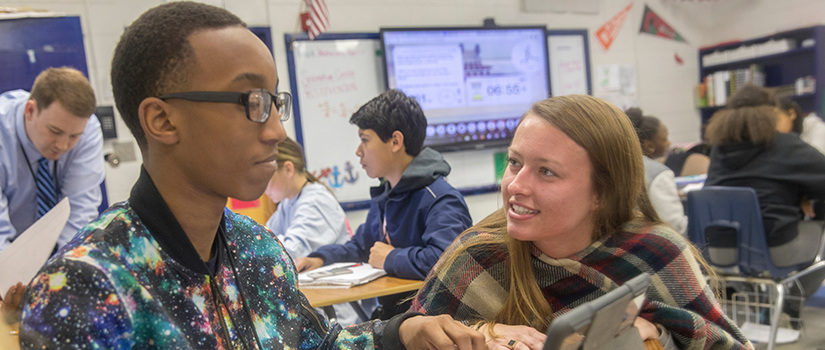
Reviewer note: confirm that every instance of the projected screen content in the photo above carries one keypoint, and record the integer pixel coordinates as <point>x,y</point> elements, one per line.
<point>473,84</point>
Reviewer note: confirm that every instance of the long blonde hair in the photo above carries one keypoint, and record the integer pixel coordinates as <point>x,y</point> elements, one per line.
<point>607,135</point>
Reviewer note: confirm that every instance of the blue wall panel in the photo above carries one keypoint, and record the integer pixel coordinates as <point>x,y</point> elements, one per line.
<point>30,45</point>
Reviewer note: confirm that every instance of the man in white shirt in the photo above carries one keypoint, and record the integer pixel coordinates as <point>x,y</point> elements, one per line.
<point>53,126</point>
<point>51,149</point>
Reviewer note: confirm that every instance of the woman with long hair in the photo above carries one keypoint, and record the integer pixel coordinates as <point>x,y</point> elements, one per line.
<point>576,224</point>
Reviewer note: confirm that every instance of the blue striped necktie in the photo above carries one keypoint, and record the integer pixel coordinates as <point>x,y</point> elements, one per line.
<point>46,191</point>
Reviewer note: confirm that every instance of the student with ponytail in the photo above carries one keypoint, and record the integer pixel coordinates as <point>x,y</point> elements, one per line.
<point>576,224</point>
<point>308,215</point>
<point>660,180</point>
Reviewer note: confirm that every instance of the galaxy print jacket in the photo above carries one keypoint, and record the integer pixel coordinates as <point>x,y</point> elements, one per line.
<point>131,279</point>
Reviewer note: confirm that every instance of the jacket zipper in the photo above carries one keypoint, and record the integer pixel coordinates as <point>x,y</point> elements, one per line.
<point>217,304</point>
<point>313,317</point>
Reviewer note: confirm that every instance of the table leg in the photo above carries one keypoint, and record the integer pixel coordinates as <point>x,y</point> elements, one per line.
<point>360,311</point>
<point>330,311</point>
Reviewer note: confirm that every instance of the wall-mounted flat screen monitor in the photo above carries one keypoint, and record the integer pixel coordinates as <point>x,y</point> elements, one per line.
<point>472,83</point>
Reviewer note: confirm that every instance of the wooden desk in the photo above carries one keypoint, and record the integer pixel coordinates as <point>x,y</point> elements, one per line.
<point>7,340</point>
<point>320,297</point>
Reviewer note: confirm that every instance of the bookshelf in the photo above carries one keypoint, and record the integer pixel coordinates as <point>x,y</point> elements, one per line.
<point>778,61</point>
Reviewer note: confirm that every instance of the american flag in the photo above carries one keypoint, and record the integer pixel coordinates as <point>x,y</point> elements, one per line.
<point>318,17</point>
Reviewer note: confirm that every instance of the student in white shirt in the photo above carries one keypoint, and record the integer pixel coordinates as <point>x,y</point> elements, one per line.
<point>308,215</point>
<point>661,185</point>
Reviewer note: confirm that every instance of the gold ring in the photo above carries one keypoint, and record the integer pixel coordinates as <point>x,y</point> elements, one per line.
<point>512,343</point>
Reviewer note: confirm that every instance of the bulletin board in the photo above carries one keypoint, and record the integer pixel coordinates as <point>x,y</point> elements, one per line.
<point>569,62</point>
<point>335,74</point>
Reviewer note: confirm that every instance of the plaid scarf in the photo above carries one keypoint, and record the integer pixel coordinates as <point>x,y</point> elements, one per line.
<point>475,285</point>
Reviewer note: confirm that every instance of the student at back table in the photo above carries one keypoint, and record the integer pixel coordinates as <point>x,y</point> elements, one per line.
<point>414,213</point>
<point>308,215</point>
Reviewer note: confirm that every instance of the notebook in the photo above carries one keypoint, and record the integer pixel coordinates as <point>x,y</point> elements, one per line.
<point>339,275</point>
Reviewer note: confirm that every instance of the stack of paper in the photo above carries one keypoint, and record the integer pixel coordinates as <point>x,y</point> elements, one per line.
<point>339,275</point>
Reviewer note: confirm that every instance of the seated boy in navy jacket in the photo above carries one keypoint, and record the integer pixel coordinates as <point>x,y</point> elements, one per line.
<point>414,213</point>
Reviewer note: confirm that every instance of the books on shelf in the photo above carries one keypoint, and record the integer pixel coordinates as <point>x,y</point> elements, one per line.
<point>718,86</point>
<point>339,275</point>
<point>721,87</point>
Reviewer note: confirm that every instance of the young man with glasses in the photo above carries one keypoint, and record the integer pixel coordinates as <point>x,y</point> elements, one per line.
<point>172,267</point>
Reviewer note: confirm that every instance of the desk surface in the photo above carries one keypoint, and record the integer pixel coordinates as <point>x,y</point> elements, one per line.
<point>320,297</point>
<point>8,341</point>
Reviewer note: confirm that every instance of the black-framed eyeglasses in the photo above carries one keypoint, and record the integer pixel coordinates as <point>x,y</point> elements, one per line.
<point>257,103</point>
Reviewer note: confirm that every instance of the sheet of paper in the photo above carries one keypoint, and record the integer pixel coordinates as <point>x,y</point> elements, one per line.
<point>21,260</point>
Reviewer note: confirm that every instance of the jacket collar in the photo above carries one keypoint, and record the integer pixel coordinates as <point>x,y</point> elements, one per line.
<point>424,169</point>
<point>158,219</point>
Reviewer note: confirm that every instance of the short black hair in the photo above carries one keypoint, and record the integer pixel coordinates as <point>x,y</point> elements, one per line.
<point>751,95</point>
<point>391,111</point>
<point>154,56</point>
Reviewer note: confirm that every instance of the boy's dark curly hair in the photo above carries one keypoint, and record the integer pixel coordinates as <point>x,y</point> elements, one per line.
<point>154,56</point>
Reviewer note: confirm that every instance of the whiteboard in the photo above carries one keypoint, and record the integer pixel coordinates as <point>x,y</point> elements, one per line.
<point>569,62</point>
<point>331,77</point>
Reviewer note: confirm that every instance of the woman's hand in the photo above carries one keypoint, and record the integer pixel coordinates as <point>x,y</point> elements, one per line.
<point>513,337</point>
<point>646,329</point>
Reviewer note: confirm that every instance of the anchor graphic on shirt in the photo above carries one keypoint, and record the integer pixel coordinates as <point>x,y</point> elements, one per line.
<point>351,176</point>
<point>334,182</point>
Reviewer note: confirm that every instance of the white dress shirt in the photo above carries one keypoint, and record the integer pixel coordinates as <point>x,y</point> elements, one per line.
<point>79,173</point>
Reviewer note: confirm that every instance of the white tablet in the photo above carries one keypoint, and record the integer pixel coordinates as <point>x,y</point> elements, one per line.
<point>604,323</point>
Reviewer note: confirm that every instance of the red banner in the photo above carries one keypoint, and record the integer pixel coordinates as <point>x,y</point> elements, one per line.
<point>608,32</point>
<point>653,24</point>
<point>235,204</point>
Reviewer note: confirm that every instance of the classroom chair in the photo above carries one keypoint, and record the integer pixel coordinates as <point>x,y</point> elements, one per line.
<point>725,223</point>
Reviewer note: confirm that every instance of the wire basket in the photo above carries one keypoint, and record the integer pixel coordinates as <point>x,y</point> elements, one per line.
<point>751,303</point>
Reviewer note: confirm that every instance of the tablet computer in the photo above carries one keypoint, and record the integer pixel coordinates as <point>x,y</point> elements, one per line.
<point>604,323</point>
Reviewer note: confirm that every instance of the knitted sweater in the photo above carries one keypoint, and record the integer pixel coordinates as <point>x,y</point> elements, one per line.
<point>475,286</point>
